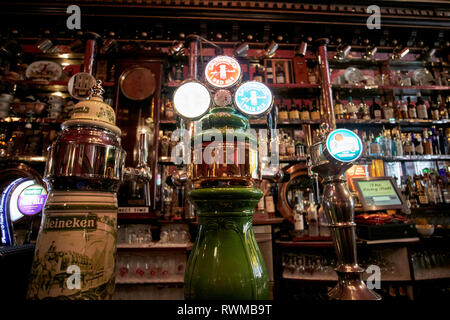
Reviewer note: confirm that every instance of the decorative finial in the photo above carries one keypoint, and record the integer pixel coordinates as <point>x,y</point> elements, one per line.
<point>97,90</point>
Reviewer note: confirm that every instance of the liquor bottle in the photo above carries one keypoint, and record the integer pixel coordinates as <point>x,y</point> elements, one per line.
<point>434,109</point>
<point>418,145</point>
<point>376,110</point>
<point>304,112</point>
<point>408,146</point>
<point>427,143</point>
<point>444,142</point>
<point>313,221</point>
<point>324,229</point>
<point>399,146</point>
<point>281,144</point>
<point>299,224</point>
<point>315,113</point>
<point>364,110</point>
<point>280,76</point>
<point>412,112</point>
<point>294,113</point>
<point>375,147</point>
<point>338,109</point>
<point>268,202</point>
<point>422,196</point>
<point>352,112</point>
<point>398,110</point>
<point>283,113</point>
<point>421,108</point>
<point>312,77</point>
<point>435,141</point>
<point>443,110</point>
<point>404,109</point>
<point>388,111</point>
<point>259,74</point>
<point>387,143</point>
<point>366,142</point>
<point>290,147</point>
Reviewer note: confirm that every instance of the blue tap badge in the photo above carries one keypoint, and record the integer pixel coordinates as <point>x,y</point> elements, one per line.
<point>253,98</point>
<point>344,145</point>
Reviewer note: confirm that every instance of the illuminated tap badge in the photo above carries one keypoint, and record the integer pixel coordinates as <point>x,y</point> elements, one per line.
<point>222,72</point>
<point>32,199</point>
<point>344,145</point>
<point>253,98</point>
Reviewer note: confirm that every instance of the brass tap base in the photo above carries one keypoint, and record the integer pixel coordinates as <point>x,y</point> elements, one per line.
<point>351,287</point>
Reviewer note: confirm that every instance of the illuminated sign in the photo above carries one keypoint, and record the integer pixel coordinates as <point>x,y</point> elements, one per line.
<point>191,100</point>
<point>378,192</point>
<point>344,145</point>
<point>253,98</point>
<point>31,200</point>
<point>222,72</point>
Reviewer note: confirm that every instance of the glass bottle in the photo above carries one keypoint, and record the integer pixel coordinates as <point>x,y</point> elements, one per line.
<point>352,112</point>
<point>435,115</point>
<point>338,109</point>
<point>376,110</point>
<point>294,113</point>
<point>422,196</point>
<point>443,110</point>
<point>313,223</point>
<point>315,114</point>
<point>421,108</point>
<point>418,145</point>
<point>283,113</point>
<point>412,112</point>
<point>427,145</point>
<point>304,114</point>
<point>280,76</point>
<point>388,111</point>
<point>299,224</point>
<point>404,110</point>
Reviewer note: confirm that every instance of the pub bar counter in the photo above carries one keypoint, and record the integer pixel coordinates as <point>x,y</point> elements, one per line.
<point>335,185</point>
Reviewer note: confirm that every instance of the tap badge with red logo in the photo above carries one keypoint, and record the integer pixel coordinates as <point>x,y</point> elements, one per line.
<point>222,72</point>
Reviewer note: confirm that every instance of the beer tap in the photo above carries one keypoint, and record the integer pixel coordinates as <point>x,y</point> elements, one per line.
<point>142,172</point>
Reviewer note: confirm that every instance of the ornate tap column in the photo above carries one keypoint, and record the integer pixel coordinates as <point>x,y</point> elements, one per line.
<point>226,262</point>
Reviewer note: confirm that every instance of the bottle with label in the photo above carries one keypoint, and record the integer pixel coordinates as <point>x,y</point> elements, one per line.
<point>364,110</point>
<point>313,221</point>
<point>259,74</point>
<point>352,112</point>
<point>422,196</point>
<point>299,224</point>
<point>404,109</point>
<point>388,111</point>
<point>312,77</point>
<point>294,114</point>
<point>338,109</point>
<point>421,108</point>
<point>375,147</point>
<point>399,146</point>
<point>269,204</point>
<point>434,110</point>
<point>281,144</point>
<point>280,76</point>
<point>315,113</point>
<point>412,111</point>
<point>427,144</point>
<point>419,145</point>
<point>443,109</point>
<point>304,113</point>
<point>376,110</point>
<point>283,113</point>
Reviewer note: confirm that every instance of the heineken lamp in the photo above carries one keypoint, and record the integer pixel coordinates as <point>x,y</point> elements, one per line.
<point>225,262</point>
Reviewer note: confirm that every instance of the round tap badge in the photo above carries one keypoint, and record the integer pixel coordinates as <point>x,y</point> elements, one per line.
<point>253,98</point>
<point>344,145</point>
<point>222,72</point>
<point>191,100</point>
<point>32,199</point>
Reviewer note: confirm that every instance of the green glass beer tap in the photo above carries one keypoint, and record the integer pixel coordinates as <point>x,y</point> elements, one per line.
<point>225,262</point>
